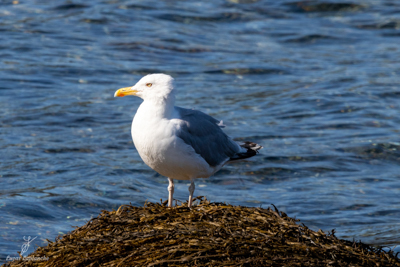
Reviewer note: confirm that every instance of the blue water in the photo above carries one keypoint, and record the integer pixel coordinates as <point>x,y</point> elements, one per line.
<point>316,83</point>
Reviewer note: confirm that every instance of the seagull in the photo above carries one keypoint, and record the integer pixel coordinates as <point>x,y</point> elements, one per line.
<point>179,143</point>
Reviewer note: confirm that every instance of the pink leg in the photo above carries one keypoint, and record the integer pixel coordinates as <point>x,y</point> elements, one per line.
<point>171,187</point>
<point>191,190</point>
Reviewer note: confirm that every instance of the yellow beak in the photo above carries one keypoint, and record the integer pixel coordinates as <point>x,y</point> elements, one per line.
<point>125,91</point>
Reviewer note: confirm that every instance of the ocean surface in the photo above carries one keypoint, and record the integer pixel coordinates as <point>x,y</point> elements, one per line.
<point>317,83</point>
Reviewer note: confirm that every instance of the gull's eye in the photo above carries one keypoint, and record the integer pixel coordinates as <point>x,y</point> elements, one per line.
<point>149,84</point>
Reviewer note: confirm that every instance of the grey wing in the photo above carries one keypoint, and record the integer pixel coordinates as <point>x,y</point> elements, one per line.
<point>203,133</point>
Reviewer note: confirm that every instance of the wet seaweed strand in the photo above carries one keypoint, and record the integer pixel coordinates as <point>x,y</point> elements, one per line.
<point>210,234</point>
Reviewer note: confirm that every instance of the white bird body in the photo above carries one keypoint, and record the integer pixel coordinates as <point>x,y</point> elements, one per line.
<point>179,143</point>
<point>154,134</point>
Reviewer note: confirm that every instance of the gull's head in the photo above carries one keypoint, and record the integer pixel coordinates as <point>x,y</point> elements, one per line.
<point>152,86</point>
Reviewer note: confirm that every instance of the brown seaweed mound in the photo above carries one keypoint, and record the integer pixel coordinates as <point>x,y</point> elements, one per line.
<point>209,234</point>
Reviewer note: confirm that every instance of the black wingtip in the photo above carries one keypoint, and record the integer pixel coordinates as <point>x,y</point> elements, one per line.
<point>252,150</point>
